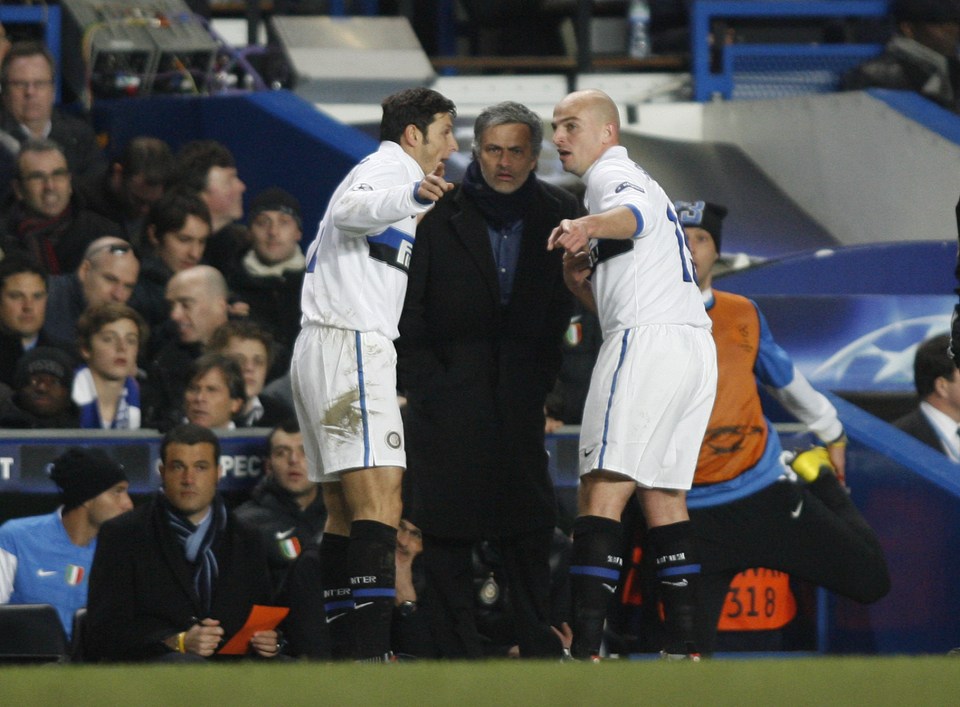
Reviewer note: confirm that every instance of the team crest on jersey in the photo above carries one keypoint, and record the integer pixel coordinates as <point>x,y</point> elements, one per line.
<point>629,185</point>
<point>392,247</point>
<point>74,575</point>
<point>393,440</point>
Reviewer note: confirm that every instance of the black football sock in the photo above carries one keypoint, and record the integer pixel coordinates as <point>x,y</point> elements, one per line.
<point>678,577</point>
<point>371,564</point>
<point>595,566</point>
<point>337,600</point>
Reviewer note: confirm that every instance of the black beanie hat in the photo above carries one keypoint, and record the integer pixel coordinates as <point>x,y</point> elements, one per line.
<point>704,215</point>
<point>276,199</point>
<point>43,359</point>
<point>83,474</point>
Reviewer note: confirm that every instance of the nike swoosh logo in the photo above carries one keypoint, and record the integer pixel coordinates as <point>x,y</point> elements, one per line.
<point>284,534</point>
<point>795,513</point>
<point>46,573</point>
<point>609,588</point>
<point>331,619</point>
<point>360,606</point>
<point>681,583</point>
<point>587,452</point>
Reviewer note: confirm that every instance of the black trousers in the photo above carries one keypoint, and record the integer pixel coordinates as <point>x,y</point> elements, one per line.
<point>811,531</point>
<point>451,595</point>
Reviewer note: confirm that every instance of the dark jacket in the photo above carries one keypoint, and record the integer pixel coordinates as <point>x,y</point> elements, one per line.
<point>141,586</point>
<point>917,425</point>
<point>225,245</point>
<point>476,373</point>
<point>285,529</point>
<point>65,303</point>
<point>149,294</point>
<point>167,378</point>
<point>14,417</point>
<point>57,244</point>
<point>275,411</point>
<point>274,301</point>
<point>11,349</point>
<point>74,135</point>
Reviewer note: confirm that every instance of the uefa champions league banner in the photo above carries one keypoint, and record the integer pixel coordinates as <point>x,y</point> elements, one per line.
<point>25,456</point>
<point>863,343</point>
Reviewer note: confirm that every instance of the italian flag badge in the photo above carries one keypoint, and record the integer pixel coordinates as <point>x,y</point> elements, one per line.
<point>74,574</point>
<point>289,548</point>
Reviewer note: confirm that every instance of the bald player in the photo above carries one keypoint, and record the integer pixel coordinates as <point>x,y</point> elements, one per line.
<point>654,383</point>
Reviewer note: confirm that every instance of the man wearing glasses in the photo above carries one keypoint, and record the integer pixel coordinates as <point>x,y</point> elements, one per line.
<point>47,222</point>
<point>28,93</point>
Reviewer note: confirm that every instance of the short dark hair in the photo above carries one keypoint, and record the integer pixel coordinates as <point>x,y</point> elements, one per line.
<point>226,365</point>
<point>242,329</point>
<point>170,212</point>
<point>507,113</point>
<point>412,106</point>
<point>15,264</point>
<point>18,50</point>
<point>195,160</point>
<point>290,426</point>
<point>149,156</point>
<point>932,361</point>
<point>42,144</point>
<point>93,319</point>
<point>190,434</point>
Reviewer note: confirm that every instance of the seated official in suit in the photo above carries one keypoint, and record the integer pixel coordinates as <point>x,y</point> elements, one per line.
<point>177,577</point>
<point>935,421</point>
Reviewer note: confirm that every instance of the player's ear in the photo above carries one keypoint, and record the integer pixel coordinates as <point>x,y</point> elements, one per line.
<point>412,134</point>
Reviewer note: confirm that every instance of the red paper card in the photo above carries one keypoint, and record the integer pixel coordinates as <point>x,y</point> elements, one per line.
<point>262,618</point>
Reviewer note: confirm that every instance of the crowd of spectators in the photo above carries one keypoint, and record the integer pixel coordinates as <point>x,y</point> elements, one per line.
<point>135,294</point>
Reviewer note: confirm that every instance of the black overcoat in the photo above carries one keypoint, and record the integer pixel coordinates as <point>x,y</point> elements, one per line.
<point>476,373</point>
<point>141,587</point>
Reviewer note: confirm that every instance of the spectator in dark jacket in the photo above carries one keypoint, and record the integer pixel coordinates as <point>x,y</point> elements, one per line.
<point>269,275</point>
<point>285,506</point>
<point>48,221</point>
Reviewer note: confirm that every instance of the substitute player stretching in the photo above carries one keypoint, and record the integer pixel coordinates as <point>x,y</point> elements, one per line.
<point>654,382</point>
<point>344,363</point>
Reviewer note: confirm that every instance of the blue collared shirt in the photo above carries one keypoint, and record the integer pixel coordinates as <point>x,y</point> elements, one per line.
<point>505,243</point>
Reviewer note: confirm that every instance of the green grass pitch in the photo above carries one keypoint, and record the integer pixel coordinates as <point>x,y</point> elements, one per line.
<point>901,681</point>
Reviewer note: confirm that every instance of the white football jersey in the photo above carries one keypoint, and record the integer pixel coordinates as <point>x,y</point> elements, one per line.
<point>650,278</point>
<point>357,265</point>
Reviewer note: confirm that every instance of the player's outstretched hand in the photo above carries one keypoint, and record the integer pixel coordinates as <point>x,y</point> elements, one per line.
<point>571,235</point>
<point>433,186</point>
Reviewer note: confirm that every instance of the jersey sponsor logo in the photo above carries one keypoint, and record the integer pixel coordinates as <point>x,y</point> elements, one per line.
<point>392,247</point>
<point>629,185</point>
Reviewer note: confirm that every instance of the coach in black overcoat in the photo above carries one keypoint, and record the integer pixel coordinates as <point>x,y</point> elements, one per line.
<point>476,372</point>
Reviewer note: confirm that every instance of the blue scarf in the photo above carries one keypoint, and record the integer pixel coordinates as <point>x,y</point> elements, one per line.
<point>197,542</point>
